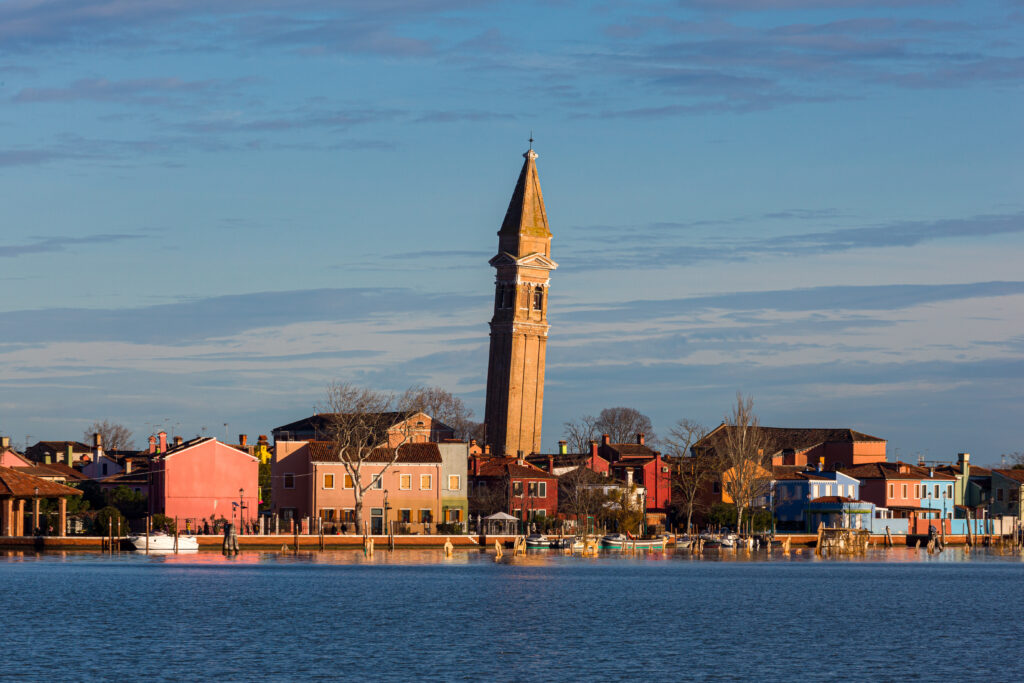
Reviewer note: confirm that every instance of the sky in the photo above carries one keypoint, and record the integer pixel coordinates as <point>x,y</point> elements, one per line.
<point>212,209</point>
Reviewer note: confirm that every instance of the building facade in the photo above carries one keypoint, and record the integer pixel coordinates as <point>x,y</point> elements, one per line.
<point>514,405</point>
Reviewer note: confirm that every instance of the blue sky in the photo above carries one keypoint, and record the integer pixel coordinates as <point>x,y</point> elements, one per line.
<point>213,208</point>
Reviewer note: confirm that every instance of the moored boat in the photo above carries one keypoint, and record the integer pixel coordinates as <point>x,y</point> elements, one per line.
<point>621,542</point>
<point>537,541</point>
<point>161,541</point>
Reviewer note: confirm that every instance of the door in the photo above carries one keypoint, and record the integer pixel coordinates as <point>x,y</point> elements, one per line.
<point>376,521</point>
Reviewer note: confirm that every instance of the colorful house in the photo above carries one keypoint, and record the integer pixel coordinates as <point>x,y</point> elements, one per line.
<point>455,482</point>
<point>796,489</point>
<point>310,481</point>
<point>900,490</point>
<point>1007,492</point>
<point>514,486</point>
<point>21,495</point>
<point>408,426</point>
<point>204,480</point>
<point>831,448</point>
<point>638,464</point>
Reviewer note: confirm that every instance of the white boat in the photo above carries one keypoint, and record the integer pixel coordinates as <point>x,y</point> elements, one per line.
<point>537,541</point>
<point>163,542</point>
<point>623,542</point>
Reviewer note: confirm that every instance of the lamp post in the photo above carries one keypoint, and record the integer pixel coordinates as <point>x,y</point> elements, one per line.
<point>241,506</point>
<point>386,513</point>
<point>35,511</point>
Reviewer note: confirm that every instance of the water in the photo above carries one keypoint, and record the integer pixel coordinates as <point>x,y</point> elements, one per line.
<point>416,615</point>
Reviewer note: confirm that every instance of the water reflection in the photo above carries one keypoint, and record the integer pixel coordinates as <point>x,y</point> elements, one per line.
<point>533,558</point>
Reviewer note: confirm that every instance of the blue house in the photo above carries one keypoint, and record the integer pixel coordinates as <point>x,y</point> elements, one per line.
<point>803,498</point>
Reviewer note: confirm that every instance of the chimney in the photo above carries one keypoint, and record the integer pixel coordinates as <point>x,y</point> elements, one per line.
<point>605,439</point>
<point>476,465</point>
<point>487,449</point>
<point>965,466</point>
<point>821,463</point>
<point>262,440</point>
<point>243,440</point>
<point>520,458</point>
<point>563,447</point>
<point>551,464</point>
<point>472,443</point>
<point>152,445</point>
<point>69,456</point>
<point>97,445</point>
<point>177,441</point>
<point>127,466</point>
<point>640,439</point>
<point>593,449</point>
<point>5,442</point>
<point>163,441</point>
<point>46,459</point>
<point>629,476</point>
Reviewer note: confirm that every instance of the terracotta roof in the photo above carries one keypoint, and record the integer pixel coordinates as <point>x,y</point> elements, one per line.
<point>127,479</point>
<point>53,472</point>
<point>14,483</point>
<point>890,470</point>
<point>560,459</point>
<point>796,473</point>
<point>501,467</point>
<point>953,470</point>
<point>326,451</point>
<point>1016,475</point>
<point>797,439</point>
<point>69,473</point>
<point>836,499</point>
<point>585,475</point>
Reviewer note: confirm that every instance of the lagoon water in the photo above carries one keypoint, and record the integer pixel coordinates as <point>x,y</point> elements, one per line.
<point>416,615</point>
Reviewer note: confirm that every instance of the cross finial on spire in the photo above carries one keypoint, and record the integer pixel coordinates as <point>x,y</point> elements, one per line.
<point>530,154</point>
<point>531,139</point>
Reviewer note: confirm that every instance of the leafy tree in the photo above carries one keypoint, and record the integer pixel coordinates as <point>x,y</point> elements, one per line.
<point>132,504</point>
<point>163,523</point>
<point>107,520</point>
<point>722,514</point>
<point>93,494</point>
<point>624,510</point>
<point>266,487</point>
<point>116,437</point>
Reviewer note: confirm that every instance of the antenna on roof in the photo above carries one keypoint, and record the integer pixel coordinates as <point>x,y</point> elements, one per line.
<point>531,139</point>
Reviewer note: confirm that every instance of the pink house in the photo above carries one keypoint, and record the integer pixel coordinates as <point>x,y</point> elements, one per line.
<point>204,479</point>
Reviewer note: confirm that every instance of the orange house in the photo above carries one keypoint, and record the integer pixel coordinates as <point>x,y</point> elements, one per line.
<point>831,448</point>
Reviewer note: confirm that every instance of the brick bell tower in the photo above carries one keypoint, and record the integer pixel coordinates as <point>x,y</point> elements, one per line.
<point>519,328</point>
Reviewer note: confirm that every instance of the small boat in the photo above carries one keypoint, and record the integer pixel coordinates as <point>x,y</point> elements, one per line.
<point>683,542</point>
<point>163,542</point>
<point>537,541</point>
<point>621,542</point>
<point>562,543</point>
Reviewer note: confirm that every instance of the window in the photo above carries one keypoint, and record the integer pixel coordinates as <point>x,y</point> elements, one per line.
<point>538,299</point>
<point>289,480</point>
<point>498,292</point>
<point>936,490</point>
<point>328,481</point>
<point>917,491</point>
<point>924,491</point>
<point>426,516</point>
<point>541,489</point>
<point>507,294</point>
<point>327,514</point>
<point>482,485</point>
<point>517,488</point>
<point>814,491</point>
<point>538,513</point>
<point>454,482</point>
<point>348,515</point>
<point>378,482</point>
<point>892,490</point>
<point>404,516</point>
<point>405,482</point>
<point>348,482</point>
<point>853,493</point>
<point>454,515</point>
<point>104,468</point>
<point>716,487</point>
<point>517,513</point>
<point>904,490</point>
<point>426,482</point>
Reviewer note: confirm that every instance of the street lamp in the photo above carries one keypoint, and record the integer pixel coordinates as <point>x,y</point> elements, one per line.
<point>241,506</point>
<point>385,511</point>
<point>35,511</point>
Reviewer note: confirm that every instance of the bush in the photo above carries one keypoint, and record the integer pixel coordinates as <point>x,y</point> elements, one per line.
<point>107,519</point>
<point>450,528</point>
<point>163,523</point>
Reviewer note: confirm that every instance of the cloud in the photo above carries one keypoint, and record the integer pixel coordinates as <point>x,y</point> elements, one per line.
<point>742,248</point>
<point>141,90</point>
<point>55,244</point>
<point>208,318</point>
<point>839,298</point>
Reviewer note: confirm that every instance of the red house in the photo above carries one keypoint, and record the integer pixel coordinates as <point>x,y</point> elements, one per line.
<point>636,463</point>
<point>511,485</point>
<point>205,480</point>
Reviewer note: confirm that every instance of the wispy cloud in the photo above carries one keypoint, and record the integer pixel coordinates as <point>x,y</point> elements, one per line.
<point>57,244</point>
<point>140,90</point>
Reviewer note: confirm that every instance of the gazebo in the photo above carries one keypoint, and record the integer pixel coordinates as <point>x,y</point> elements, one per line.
<point>500,524</point>
<point>16,488</point>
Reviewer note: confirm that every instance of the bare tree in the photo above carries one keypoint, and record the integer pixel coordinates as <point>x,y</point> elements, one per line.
<point>741,449</point>
<point>580,432</point>
<point>116,437</point>
<point>581,494</point>
<point>362,429</point>
<point>442,405</point>
<point>489,498</point>
<point>692,474</point>
<point>623,424</point>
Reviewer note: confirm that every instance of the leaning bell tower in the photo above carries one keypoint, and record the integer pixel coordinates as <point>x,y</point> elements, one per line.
<point>519,327</point>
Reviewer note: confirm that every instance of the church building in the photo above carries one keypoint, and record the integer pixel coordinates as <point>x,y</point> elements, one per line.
<point>519,327</point>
